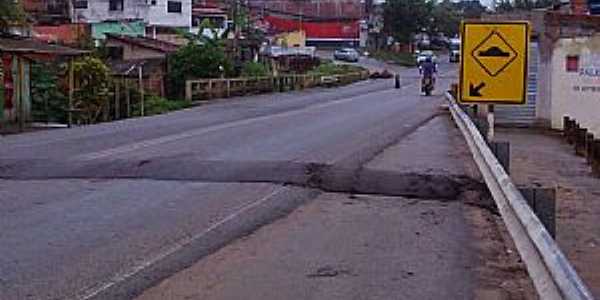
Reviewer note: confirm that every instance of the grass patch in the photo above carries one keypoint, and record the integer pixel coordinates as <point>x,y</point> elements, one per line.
<point>255,69</point>
<point>403,59</point>
<point>155,105</point>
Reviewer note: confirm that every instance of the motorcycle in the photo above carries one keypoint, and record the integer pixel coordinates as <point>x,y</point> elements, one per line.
<point>427,85</point>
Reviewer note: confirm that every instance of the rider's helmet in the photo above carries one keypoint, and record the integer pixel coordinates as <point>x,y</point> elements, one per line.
<point>428,59</point>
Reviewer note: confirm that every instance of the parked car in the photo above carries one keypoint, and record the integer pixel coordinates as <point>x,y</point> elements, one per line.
<point>454,47</point>
<point>422,56</point>
<point>346,54</point>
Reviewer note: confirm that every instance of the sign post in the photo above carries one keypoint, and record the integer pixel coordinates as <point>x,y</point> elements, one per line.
<point>494,65</point>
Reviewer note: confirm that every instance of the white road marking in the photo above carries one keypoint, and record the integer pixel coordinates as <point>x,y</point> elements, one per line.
<point>91,293</point>
<point>197,132</point>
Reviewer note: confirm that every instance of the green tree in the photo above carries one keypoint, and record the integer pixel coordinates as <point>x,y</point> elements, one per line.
<point>11,13</point>
<point>195,61</point>
<point>471,10</point>
<point>504,6</point>
<point>524,4</point>
<point>93,81</point>
<point>403,18</point>
<point>444,19</point>
<point>48,100</point>
<point>531,4</point>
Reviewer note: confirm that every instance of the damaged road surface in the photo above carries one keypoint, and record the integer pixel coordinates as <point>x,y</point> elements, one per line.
<point>360,192</point>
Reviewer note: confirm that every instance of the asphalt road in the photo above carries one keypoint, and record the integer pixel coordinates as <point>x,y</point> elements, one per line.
<point>105,211</point>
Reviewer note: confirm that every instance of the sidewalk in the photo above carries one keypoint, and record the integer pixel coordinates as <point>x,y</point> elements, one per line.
<point>543,158</point>
<point>346,246</point>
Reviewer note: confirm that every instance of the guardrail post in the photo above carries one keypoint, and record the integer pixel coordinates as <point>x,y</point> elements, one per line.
<point>589,139</point>
<point>502,152</point>
<point>596,157</point>
<point>543,203</point>
<point>571,133</point>
<point>454,90</point>
<point>210,89</point>
<point>566,127</point>
<point>580,141</point>
<point>571,137</point>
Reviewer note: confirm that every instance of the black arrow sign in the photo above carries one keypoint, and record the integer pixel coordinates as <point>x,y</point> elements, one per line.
<point>475,91</point>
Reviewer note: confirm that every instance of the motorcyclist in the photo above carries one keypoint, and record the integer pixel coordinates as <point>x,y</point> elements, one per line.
<point>428,69</point>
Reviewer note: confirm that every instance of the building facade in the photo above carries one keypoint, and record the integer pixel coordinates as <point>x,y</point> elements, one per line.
<point>332,23</point>
<point>570,70</point>
<point>156,14</point>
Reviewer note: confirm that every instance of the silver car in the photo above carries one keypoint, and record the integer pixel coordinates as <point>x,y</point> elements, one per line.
<point>346,54</point>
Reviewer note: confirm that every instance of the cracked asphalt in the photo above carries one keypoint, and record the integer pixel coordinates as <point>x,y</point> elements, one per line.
<point>108,211</point>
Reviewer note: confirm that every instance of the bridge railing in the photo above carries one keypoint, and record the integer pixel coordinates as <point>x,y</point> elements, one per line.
<point>206,89</point>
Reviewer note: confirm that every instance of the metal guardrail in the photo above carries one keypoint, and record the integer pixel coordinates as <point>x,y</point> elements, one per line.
<point>552,274</point>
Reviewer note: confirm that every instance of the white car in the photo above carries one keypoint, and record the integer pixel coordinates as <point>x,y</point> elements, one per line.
<point>347,54</point>
<point>454,50</point>
<point>423,55</point>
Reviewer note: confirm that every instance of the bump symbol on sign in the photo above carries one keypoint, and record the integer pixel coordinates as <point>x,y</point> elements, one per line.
<point>494,54</point>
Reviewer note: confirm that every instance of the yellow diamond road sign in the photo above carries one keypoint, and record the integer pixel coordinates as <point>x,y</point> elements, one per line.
<point>494,62</point>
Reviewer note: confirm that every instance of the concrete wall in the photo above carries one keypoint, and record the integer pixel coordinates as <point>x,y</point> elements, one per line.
<point>159,16</point>
<point>576,94</point>
<point>98,11</point>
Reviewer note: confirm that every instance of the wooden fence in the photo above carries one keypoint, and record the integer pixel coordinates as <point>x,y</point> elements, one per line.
<point>206,89</point>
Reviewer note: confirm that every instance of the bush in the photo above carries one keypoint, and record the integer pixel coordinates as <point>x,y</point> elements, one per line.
<point>402,58</point>
<point>94,85</point>
<point>155,105</point>
<point>254,69</point>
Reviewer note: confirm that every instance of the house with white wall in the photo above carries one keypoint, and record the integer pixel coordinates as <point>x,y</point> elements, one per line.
<point>162,18</point>
<point>569,82</point>
<point>564,70</point>
<point>96,11</point>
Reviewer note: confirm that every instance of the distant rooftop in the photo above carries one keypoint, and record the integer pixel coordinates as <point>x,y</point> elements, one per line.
<point>145,42</point>
<point>31,46</point>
